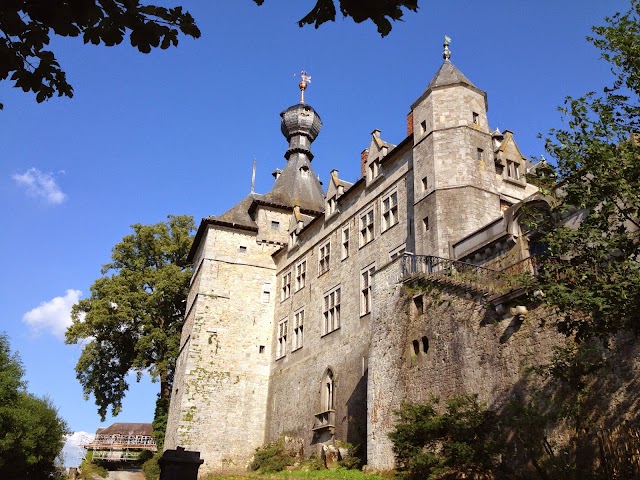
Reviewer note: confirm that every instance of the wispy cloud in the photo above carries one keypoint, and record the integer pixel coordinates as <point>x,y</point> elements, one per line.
<point>53,316</point>
<point>41,185</point>
<point>71,450</point>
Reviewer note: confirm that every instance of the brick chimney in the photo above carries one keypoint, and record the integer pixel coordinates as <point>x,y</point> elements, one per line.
<point>410,123</point>
<point>363,161</point>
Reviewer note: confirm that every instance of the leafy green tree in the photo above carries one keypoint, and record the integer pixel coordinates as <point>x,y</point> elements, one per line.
<point>133,318</point>
<point>27,26</point>
<point>462,442</point>
<point>592,276</point>
<point>31,432</point>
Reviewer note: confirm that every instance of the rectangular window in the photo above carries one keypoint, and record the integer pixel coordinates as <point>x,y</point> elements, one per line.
<point>323,258</point>
<point>479,154</point>
<point>425,223</point>
<point>293,239</point>
<point>423,127</point>
<point>476,118</point>
<point>275,225</point>
<point>286,286</point>
<point>345,243</point>
<point>266,293</point>
<point>242,249</point>
<point>298,330</point>
<point>513,169</point>
<point>331,311</point>
<point>425,184</point>
<point>397,252</point>
<point>374,169</point>
<point>366,227</point>
<point>389,211</point>
<point>365,289</point>
<point>331,205</point>
<point>301,274</point>
<point>282,338</point>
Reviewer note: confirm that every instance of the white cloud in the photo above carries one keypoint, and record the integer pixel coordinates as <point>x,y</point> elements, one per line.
<point>71,450</point>
<point>53,316</point>
<point>40,184</point>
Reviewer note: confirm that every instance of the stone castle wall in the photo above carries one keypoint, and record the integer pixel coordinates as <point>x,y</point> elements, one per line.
<point>461,346</point>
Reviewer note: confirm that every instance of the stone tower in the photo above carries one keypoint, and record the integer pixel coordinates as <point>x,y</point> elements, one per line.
<point>219,399</point>
<point>454,173</point>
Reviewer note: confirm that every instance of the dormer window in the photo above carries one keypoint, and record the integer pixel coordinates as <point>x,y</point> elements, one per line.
<point>293,238</point>
<point>331,205</point>
<point>513,170</point>
<point>374,169</point>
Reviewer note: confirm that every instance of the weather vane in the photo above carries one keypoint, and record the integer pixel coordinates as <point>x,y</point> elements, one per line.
<point>447,53</point>
<point>303,84</point>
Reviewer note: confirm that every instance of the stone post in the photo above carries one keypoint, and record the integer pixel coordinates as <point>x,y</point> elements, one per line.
<point>179,464</point>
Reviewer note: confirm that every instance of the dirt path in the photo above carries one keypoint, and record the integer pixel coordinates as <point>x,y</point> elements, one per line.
<point>126,475</point>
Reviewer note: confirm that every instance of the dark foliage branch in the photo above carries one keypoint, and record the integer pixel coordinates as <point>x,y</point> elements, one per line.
<point>379,12</point>
<point>26,27</point>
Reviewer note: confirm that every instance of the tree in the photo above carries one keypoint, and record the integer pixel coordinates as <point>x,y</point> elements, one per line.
<point>26,27</point>
<point>31,432</point>
<point>133,318</point>
<point>592,274</point>
<point>378,11</point>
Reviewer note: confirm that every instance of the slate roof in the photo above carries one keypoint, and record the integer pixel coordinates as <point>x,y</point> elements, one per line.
<point>448,74</point>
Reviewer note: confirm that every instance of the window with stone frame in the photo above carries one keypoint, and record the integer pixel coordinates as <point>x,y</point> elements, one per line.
<point>298,330</point>
<point>513,170</point>
<point>324,255</point>
<point>281,350</point>
<point>374,169</point>
<point>366,227</point>
<point>397,252</point>
<point>365,289</point>
<point>345,243</point>
<point>285,292</point>
<point>389,210</point>
<point>331,205</point>
<point>301,274</point>
<point>293,239</point>
<point>331,311</point>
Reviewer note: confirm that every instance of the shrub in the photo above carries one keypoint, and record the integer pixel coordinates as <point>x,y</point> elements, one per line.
<point>89,470</point>
<point>272,457</point>
<point>150,467</point>
<point>462,442</point>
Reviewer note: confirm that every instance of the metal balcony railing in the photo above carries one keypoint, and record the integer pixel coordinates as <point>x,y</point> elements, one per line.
<point>466,275</point>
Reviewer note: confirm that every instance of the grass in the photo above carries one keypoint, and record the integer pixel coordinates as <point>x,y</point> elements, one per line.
<point>338,474</point>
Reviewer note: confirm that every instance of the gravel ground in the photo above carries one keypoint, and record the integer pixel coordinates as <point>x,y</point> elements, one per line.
<point>126,475</point>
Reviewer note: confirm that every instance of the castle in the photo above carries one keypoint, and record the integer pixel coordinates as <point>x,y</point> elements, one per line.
<point>298,318</point>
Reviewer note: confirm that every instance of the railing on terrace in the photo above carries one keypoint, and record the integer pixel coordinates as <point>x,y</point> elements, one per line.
<point>467,275</point>
<point>144,442</point>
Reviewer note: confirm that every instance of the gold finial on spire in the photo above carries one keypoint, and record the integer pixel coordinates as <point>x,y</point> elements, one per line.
<point>447,53</point>
<point>303,84</point>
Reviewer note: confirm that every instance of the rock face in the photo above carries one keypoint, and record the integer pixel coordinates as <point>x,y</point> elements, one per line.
<point>331,456</point>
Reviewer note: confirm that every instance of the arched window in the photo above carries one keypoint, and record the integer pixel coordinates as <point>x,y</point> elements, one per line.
<point>328,391</point>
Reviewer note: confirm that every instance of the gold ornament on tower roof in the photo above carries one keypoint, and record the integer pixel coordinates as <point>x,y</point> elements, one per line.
<point>306,79</point>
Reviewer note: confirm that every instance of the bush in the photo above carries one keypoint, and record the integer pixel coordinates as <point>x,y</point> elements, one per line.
<point>150,467</point>
<point>272,457</point>
<point>89,470</point>
<point>463,442</point>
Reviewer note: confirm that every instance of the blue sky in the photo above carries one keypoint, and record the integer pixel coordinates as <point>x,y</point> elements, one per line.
<point>176,132</point>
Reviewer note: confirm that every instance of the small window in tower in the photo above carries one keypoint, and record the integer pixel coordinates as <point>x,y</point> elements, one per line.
<point>479,154</point>
<point>261,349</point>
<point>304,171</point>
<point>275,225</point>
<point>416,347</point>
<point>418,303</point>
<point>242,249</point>
<point>423,127</point>
<point>425,345</point>
<point>476,118</point>
<point>425,223</point>
<point>425,184</point>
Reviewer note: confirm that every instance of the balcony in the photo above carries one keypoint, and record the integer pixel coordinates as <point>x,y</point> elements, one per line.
<point>325,421</point>
<point>470,277</point>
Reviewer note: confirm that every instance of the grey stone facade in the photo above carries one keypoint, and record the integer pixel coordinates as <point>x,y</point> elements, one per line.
<point>297,323</point>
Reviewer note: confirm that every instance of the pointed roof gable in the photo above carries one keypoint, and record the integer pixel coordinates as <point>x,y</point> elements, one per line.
<point>448,75</point>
